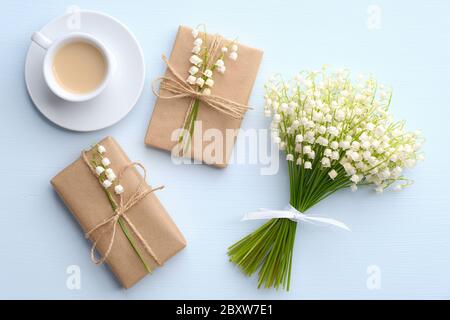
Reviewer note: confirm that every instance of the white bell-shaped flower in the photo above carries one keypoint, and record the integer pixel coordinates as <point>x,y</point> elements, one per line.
<point>193,70</point>
<point>198,42</point>
<point>101,149</point>
<point>332,174</point>
<point>118,189</point>
<point>200,82</point>
<point>99,170</point>
<point>221,69</point>
<point>233,56</point>
<point>219,63</point>
<point>106,162</point>
<point>209,82</point>
<point>106,184</point>
<point>208,73</point>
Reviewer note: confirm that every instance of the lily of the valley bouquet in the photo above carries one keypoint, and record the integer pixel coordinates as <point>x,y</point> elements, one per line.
<point>336,134</point>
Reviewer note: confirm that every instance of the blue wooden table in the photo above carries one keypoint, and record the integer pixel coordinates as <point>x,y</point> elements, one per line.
<point>399,246</point>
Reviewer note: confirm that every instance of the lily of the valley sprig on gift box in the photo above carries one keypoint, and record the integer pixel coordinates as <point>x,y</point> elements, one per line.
<point>119,212</point>
<point>336,134</point>
<point>203,96</point>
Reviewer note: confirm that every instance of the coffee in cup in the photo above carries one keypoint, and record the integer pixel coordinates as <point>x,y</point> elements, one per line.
<point>79,67</point>
<point>76,67</point>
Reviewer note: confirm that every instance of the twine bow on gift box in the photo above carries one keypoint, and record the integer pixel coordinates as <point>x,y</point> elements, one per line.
<point>199,88</point>
<point>109,225</point>
<point>181,89</point>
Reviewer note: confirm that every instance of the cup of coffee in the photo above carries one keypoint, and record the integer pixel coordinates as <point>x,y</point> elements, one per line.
<point>77,67</point>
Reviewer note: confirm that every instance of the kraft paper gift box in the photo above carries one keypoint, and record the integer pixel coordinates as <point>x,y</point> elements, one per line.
<point>169,114</point>
<point>85,197</point>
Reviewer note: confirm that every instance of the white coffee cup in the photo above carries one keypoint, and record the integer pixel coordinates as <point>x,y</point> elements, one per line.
<point>52,48</point>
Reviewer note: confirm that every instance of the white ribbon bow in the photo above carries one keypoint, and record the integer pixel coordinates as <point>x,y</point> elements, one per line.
<point>295,215</point>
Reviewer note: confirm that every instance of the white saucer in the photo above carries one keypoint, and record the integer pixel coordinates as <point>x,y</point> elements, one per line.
<point>117,99</point>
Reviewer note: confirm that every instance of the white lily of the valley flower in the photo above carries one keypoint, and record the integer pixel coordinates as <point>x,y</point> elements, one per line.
<point>233,56</point>
<point>332,174</point>
<point>234,48</point>
<point>335,155</point>
<point>325,162</point>
<point>195,33</point>
<point>349,169</point>
<point>276,118</point>
<point>198,42</point>
<point>99,170</point>
<point>101,149</point>
<point>290,157</point>
<point>112,177</point>
<point>106,184</point>
<point>118,189</point>
<point>206,91</point>
<point>196,49</point>
<point>200,82</point>
<point>221,69</point>
<point>196,60</point>
<point>208,73</point>
<point>224,49</point>
<point>106,162</point>
<point>191,80</point>
<point>299,138</point>
<point>209,82</point>
<point>193,70</point>
<point>219,63</point>
<point>307,149</point>
<point>110,174</point>
<point>344,145</point>
<point>326,114</point>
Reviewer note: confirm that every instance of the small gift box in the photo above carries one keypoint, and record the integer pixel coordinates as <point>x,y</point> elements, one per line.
<point>130,229</point>
<point>205,68</point>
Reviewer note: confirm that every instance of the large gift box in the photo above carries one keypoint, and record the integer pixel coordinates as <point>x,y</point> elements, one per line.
<point>234,85</point>
<point>136,236</point>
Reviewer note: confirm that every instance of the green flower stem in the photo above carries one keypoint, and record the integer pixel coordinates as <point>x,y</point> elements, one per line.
<point>96,161</point>
<point>270,248</point>
<point>194,112</point>
<point>133,244</point>
<point>127,233</point>
<point>189,126</point>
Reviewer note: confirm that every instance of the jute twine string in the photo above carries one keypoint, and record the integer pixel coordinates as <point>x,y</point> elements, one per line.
<point>109,225</point>
<point>181,89</point>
